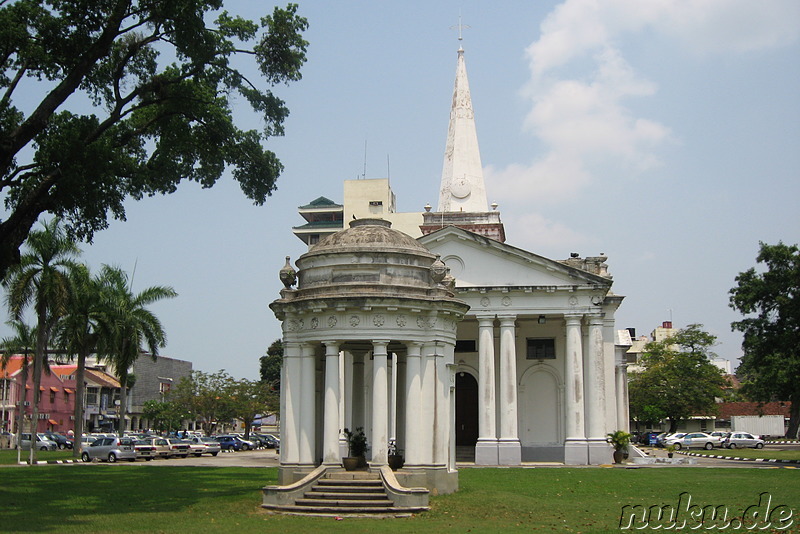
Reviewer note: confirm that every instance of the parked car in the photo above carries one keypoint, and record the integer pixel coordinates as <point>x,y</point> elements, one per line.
<point>693,440</point>
<point>247,444</point>
<point>110,449</point>
<point>271,442</point>
<point>178,447</point>
<point>62,441</point>
<point>648,438</point>
<point>743,439</point>
<point>161,446</point>
<point>42,443</point>
<point>144,449</point>
<point>212,446</point>
<point>230,443</point>
<point>718,437</point>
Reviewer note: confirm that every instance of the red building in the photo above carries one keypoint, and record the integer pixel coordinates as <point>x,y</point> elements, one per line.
<point>57,398</point>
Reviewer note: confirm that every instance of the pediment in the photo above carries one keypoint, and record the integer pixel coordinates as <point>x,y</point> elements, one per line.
<point>477,261</point>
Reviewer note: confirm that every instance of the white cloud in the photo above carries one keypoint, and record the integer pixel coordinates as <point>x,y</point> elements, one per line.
<point>535,232</point>
<point>583,116</point>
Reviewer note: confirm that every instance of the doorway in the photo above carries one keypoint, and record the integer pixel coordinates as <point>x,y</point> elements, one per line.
<point>466,410</point>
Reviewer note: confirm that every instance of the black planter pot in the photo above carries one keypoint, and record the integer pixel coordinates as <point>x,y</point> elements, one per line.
<point>396,461</point>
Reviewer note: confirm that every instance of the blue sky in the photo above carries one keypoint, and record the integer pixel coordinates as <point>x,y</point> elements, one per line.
<point>665,134</point>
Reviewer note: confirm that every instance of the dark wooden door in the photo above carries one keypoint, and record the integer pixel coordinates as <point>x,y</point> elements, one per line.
<point>466,410</point>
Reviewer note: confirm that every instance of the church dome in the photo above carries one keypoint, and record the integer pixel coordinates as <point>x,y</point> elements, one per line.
<point>369,234</point>
<point>369,258</point>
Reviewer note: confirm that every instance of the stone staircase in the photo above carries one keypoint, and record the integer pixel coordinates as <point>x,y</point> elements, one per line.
<point>346,494</point>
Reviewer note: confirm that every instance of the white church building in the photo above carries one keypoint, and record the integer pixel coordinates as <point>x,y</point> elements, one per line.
<point>507,358</point>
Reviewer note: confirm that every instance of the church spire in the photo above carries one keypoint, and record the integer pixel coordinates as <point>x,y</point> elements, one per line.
<point>462,187</point>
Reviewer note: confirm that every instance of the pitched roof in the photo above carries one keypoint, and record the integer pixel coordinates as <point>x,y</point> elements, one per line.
<point>102,379</point>
<point>727,409</point>
<point>522,256</point>
<point>321,202</point>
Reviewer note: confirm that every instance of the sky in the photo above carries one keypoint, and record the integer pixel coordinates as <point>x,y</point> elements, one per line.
<point>665,134</point>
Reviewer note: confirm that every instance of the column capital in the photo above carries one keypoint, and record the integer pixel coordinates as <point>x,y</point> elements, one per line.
<point>484,319</point>
<point>331,346</point>
<point>573,318</point>
<point>507,320</point>
<point>595,319</point>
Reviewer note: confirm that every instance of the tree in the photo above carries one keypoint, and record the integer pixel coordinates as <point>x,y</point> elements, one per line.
<point>271,364</point>
<point>770,302</point>
<point>160,79</point>
<point>41,279</point>
<point>23,343</point>
<point>251,398</point>
<point>207,396</point>
<point>678,379</point>
<point>132,326</point>
<point>164,416</point>
<point>79,332</point>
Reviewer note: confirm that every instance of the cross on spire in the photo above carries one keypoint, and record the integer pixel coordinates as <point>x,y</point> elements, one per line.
<point>460,27</point>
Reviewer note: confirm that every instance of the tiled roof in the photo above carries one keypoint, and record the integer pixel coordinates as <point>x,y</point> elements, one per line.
<point>727,409</point>
<point>101,379</point>
<point>321,202</point>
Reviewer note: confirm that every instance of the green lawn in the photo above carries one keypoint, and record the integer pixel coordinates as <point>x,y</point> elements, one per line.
<point>9,456</point>
<point>767,452</point>
<point>145,498</point>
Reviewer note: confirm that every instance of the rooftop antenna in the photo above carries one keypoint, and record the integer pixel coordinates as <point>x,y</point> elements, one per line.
<point>364,174</point>
<point>460,27</point>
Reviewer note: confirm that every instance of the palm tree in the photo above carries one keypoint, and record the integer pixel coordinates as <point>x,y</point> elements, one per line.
<point>131,327</point>
<point>78,333</point>
<point>41,280</point>
<point>22,343</point>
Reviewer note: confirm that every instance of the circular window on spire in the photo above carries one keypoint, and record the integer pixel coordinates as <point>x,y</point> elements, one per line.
<point>460,188</point>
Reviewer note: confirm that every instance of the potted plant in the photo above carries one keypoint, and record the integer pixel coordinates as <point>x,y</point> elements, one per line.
<point>396,459</point>
<point>620,440</point>
<point>356,447</point>
<point>671,450</point>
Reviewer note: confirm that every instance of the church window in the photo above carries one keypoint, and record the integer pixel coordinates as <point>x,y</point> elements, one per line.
<point>541,349</point>
<point>466,345</point>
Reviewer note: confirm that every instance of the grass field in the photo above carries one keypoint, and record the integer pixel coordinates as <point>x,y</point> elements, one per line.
<point>9,456</point>
<point>143,498</point>
<point>766,452</point>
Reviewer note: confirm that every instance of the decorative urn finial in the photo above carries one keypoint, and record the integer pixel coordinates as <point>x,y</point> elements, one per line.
<point>288,275</point>
<point>438,270</point>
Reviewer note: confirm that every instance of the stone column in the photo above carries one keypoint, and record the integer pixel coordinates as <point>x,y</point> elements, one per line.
<point>380,400</point>
<point>413,402</point>
<point>427,409</point>
<point>330,427</point>
<point>509,450</point>
<point>486,449</point>
<point>291,391</point>
<point>575,447</point>
<point>443,418</point>
<point>308,419</point>
<point>400,402</point>
<point>599,450</point>
<point>621,378</point>
<point>357,413</point>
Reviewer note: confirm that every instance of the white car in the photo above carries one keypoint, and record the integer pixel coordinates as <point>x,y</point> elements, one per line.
<point>42,443</point>
<point>693,440</point>
<point>743,439</point>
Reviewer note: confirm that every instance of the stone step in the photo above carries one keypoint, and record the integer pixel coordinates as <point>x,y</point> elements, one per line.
<point>348,503</point>
<point>344,495</point>
<point>329,511</point>
<point>351,488</point>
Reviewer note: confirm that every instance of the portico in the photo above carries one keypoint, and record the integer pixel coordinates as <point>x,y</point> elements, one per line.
<point>369,338</point>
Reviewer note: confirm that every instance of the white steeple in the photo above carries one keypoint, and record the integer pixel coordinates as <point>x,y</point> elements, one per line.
<point>462,187</point>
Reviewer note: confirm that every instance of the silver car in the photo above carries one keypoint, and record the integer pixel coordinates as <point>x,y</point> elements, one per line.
<point>697,440</point>
<point>110,449</point>
<point>42,443</point>
<point>743,439</point>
